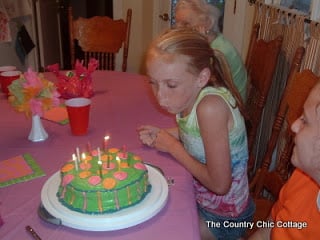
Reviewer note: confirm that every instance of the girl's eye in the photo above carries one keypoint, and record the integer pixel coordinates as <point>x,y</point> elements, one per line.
<point>152,82</point>
<point>171,85</point>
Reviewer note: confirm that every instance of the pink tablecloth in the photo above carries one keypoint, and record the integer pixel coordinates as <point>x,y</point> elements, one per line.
<point>122,102</point>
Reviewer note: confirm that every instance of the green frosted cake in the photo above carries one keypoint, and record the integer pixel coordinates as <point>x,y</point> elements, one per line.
<point>103,183</point>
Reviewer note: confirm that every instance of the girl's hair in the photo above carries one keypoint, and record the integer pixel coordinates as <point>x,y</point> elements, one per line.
<point>204,11</point>
<point>200,55</point>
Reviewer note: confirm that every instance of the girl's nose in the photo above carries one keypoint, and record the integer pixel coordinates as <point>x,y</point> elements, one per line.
<point>162,96</point>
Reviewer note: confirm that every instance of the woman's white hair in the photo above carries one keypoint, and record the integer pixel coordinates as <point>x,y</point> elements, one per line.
<point>205,11</point>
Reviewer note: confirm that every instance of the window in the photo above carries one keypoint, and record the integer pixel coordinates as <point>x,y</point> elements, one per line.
<point>300,5</point>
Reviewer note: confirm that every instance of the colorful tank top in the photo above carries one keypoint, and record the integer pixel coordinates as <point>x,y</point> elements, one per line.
<point>235,201</point>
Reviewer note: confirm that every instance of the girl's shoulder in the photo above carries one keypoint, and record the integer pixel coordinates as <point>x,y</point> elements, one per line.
<point>213,104</point>
<point>221,92</point>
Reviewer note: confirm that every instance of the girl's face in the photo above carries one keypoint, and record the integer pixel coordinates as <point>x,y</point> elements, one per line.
<point>307,141</point>
<point>175,88</point>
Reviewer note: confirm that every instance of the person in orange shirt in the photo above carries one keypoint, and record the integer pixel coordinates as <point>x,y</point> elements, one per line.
<point>296,214</point>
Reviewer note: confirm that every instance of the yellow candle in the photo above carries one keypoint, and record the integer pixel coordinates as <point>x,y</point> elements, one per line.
<point>99,162</point>
<point>84,158</point>
<point>119,162</point>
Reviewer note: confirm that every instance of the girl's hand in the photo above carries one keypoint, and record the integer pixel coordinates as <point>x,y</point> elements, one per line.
<point>164,141</point>
<point>148,134</point>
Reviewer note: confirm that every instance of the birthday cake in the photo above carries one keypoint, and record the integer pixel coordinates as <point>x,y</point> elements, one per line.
<point>103,182</point>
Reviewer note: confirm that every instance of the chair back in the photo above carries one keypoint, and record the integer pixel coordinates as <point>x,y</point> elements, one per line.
<point>100,37</point>
<point>261,64</point>
<point>266,183</point>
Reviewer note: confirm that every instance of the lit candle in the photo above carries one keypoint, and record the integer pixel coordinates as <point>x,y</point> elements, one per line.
<point>119,162</point>
<point>83,156</point>
<point>74,158</point>
<point>105,142</point>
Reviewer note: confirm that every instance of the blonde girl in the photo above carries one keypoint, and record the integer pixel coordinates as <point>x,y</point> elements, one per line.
<point>192,81</point>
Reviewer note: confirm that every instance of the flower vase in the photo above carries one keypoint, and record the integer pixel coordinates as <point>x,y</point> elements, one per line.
<point>37,133</point>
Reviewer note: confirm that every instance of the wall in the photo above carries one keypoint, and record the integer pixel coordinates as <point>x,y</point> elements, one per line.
<point>141,29</point>
<point>239,33</point>
<point>142,15</point>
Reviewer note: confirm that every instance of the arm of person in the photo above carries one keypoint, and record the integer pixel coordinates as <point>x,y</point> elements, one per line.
<point>214,119</point>
<point>173,131</point>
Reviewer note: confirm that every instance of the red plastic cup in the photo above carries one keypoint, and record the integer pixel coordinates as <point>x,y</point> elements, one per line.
<point>7,68</point>
<point>78,112</point>
<point>7,78</point>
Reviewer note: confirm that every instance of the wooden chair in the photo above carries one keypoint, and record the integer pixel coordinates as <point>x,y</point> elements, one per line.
<point>100,37</point>
<point>261,64</point>
<point>266,184</point>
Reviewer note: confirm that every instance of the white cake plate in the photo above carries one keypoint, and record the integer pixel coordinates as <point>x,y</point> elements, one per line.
<point>128,217</point>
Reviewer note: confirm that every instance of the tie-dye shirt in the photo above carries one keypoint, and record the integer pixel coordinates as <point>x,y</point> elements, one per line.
<point>235,201</point>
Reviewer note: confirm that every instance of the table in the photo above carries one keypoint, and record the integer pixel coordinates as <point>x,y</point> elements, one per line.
<point>122,102</point>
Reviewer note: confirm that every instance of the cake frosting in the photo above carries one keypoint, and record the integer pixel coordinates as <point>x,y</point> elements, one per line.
<point>103,184</point>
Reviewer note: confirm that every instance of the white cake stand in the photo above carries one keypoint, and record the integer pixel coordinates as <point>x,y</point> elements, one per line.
<point>128,217</point>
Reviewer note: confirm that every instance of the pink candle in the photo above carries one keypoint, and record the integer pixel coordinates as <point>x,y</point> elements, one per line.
<point>89,147</point>
<point>105,142</point>
<point>108,161</point>
<point>78,154</point>
<point>74,158</point>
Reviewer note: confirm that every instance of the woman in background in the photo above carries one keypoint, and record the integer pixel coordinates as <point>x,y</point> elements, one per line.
<point>204,17</point>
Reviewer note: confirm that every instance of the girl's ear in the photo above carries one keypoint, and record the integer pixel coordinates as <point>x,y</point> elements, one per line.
<point>204,77</point>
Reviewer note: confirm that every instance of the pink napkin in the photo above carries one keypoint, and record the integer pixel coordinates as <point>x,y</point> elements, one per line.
<point>1,221</point>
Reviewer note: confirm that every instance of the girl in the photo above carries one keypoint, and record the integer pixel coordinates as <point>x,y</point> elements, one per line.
<point>192,81</point>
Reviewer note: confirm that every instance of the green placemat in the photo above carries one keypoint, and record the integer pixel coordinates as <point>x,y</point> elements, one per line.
<point>18,169</point>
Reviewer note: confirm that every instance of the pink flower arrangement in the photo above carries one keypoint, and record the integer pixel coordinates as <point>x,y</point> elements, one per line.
<point>77,83</point>
<point>33,94</point>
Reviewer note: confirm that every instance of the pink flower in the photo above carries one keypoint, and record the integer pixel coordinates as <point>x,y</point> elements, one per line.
<point>32,79</point>
<point>36,106</point>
